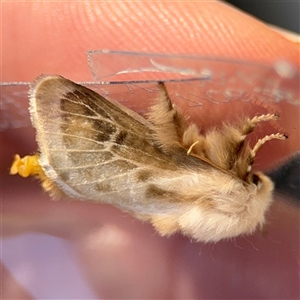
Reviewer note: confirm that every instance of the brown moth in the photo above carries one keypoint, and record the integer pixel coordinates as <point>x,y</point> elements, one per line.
<point>161,169</point>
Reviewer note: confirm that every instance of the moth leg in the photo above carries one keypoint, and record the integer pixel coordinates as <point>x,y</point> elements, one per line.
<point>194,142</point>
<point>227,148</point>
<point>168,122</point>
<point>222,147</point>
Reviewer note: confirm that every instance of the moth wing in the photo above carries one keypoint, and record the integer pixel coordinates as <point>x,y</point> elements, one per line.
<point>88,145</point>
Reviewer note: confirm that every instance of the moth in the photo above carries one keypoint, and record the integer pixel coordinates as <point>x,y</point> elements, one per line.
<point>159,168</point>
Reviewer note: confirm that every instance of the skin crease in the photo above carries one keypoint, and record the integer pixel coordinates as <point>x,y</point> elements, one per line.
<point>118,256</point>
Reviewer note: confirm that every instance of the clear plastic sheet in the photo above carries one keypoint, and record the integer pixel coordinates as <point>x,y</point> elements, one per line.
<point>200,81</point>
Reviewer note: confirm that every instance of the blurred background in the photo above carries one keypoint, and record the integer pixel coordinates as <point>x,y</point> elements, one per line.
<point>283,14</point>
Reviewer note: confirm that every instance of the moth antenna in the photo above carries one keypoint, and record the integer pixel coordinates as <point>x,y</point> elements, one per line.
<point>227,148</point>
<point>261,142</point>
<point>250,124</point>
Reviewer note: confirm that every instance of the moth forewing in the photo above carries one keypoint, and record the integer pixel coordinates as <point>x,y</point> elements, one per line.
<point>161,169</point>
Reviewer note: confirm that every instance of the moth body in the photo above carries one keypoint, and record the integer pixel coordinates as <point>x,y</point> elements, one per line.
<point>161,169</point>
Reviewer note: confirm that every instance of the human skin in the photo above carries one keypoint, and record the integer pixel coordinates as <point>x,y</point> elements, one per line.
<point>118,256</point>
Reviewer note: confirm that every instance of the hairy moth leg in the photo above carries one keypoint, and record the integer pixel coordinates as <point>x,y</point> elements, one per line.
<point>168,122</point>
<point>171,127</point>
<point>226,148</point>
<point>231,137</point>
<point>194,142</point>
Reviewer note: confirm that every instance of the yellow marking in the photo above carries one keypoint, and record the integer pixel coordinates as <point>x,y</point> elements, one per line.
<point>26,166</point>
